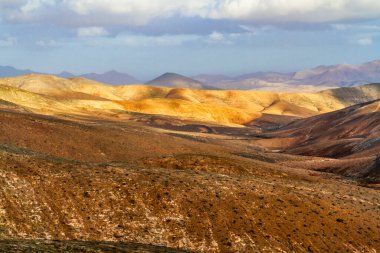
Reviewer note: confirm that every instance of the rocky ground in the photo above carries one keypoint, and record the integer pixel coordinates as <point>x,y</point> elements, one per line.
<point>106,184</point>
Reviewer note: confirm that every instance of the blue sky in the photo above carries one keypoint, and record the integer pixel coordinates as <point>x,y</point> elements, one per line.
<point>146,38</point>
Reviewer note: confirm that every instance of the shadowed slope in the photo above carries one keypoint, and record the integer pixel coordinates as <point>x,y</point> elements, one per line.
<point>356,95</point>
<point>342,133</point>
<point>351,134</point>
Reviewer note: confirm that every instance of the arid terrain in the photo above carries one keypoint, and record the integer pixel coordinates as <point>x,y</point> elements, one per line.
<point>86,167</point>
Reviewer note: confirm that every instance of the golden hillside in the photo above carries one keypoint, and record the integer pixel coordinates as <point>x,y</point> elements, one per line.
<point>53,95</point>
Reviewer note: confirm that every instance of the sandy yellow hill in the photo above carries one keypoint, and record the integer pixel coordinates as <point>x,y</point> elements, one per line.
<point>49,105</point>
<point>52,94</point>
<point>60,87</point>
<point>189,110</point>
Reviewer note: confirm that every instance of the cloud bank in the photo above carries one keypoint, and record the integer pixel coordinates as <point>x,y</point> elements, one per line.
<point>143,12</point>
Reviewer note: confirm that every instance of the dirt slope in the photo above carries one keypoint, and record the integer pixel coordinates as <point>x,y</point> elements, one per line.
<point>347,132</point>
<point>351,134</point>
<point>181,206</point>
<point>76,177</point>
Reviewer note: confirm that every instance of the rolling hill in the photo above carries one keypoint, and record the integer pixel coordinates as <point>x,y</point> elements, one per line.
<point>225,107</point>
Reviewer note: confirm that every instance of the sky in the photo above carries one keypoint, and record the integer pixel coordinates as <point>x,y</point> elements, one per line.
<point>146,38</point>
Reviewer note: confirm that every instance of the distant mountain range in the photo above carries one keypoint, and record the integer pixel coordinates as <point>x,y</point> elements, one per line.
<point>340,75</point>
<point>8,71</point>
<point>321,77</point>
<point>110,77</point>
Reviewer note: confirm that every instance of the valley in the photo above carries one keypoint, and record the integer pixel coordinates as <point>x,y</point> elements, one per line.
<point>94,167</point>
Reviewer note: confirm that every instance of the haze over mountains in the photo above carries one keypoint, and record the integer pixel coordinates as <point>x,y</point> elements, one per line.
<point>314,79</point>
<point>320,77</point>
<point>8,71</point>
<point>110,77</point>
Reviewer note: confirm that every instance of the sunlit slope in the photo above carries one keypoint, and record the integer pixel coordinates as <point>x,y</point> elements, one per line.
<point>60,87</point>
<point>78,95</point>
<point>293,104</point>
<point>189,110</point>
<point>49,105</point>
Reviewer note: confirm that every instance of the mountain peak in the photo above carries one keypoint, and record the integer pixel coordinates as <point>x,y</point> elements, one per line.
<point>174,80</point>
<point>8,71</point>
<point>169,74</point>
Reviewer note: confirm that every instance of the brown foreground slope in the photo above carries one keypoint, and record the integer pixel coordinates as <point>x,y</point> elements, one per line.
<point>100,180</point>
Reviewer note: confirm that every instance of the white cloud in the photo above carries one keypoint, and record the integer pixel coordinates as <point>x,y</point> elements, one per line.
<point>8,42</point>
<point>141,12</point>
<point>135,12</point>
<point>341,27</point>
<point>365,41</point>
<point>296,10</point>
<point>47,43</point>
<point>219,38</point>
<point>34,5</point>
<point>267,10</point>
<point>216,36</point>
<point>28,10</point>
<point>344,27</point>
<point>92,32</point>
<point>132,40</point>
